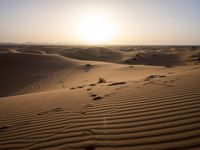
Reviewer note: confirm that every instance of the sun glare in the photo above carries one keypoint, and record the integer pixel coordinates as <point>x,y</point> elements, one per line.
<point>95,28</point>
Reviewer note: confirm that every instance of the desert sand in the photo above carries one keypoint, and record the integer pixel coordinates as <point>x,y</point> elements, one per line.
<point>99,98</point>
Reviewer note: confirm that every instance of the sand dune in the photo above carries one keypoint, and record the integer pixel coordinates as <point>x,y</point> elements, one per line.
<point>156,59</point>
<point>161,57</point>
<point>54,102</point>
<point>20,70</point>
<point>94,53</point>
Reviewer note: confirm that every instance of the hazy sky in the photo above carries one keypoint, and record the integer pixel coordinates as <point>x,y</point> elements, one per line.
<point>134,21</point>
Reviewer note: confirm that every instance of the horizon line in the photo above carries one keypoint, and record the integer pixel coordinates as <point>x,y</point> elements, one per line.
<point>66,44</point>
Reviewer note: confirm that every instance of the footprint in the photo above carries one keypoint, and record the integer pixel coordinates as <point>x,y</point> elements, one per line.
<point>93,84</point>
<point>80,87</point>
<point>88,132</point>
<point>77,87</point>
<point>97,98</point>
<point>162,76</point>
<point>90,147</point>
<point>72,88</point>
<point>85,109</point>
<point>83,112</point>
<point>93,95</point>
<point>4,127</point>
<point>116,83</point>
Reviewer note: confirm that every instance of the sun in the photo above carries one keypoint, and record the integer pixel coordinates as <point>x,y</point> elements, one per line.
<point>95,28</point>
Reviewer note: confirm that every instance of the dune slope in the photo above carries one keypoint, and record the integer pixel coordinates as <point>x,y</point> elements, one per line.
<point>155,111</point>
<point>20,70</point>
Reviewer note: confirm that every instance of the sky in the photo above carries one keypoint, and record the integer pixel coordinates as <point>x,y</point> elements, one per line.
<point>132,22</point>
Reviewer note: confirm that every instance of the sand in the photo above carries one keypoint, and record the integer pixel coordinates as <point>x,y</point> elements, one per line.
<point>48,101</point>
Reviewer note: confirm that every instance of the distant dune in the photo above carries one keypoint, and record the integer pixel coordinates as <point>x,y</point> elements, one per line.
<point>94,54</point>
<point>156,59</point>
<point>99,98</point>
